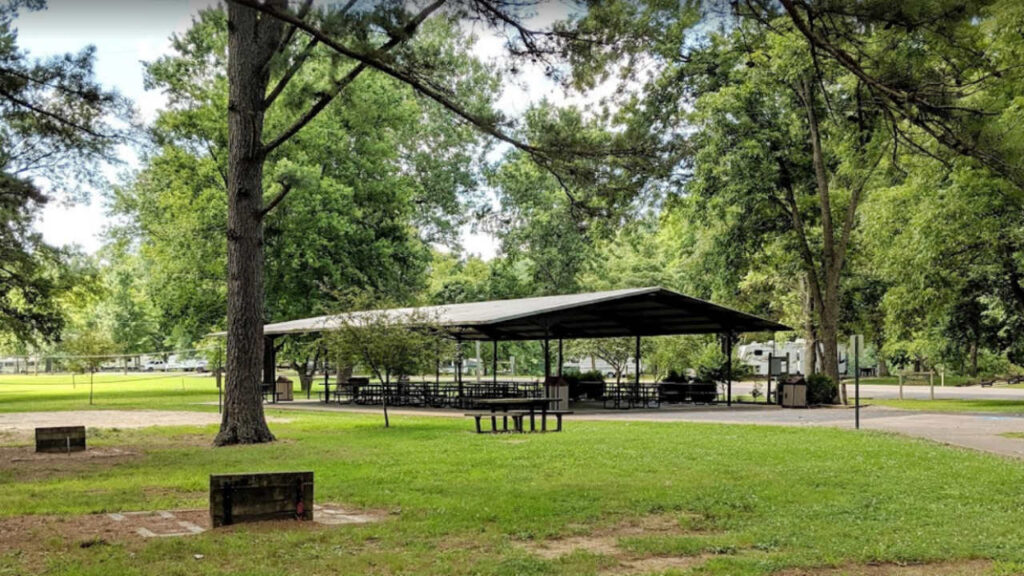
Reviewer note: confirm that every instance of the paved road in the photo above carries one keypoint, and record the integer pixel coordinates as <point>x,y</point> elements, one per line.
<point>976,431</point>
<point>918,392</point>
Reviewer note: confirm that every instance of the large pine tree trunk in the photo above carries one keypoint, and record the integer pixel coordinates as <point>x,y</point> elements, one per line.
<point>252,41</point>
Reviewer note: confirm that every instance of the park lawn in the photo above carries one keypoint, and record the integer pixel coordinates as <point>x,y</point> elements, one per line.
<point>951,380</point>
<point>739,499</point>
<point>954,405</point>
<point>165,391</point>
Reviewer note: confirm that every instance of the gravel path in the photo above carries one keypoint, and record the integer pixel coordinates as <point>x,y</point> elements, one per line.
<point>20,421</point>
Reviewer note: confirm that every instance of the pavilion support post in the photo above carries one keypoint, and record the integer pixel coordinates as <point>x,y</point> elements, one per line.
<point>458,368</point>
<point>636,371</point>
<point>547,358</point>
<point>560,360</point>
<point>269,360</point>
<point>728,368</point>
<point>494,363</point>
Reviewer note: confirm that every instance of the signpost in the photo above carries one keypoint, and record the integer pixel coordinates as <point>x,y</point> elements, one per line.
<point>857,341</point>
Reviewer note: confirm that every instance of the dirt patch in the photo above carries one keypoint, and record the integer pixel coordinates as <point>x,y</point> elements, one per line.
<point>655,565</point>
<point>19,426</point>
<point>551,549</point>
<point>964,568</point>
<point>605,542</point>
<point>44,534</point>
<point>26,464</point>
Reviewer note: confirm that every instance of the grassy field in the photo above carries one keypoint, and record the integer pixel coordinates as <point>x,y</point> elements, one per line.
<point>951,380</point>
<point>992,406</point>
<point>733,499</point>
<point>23,393</point>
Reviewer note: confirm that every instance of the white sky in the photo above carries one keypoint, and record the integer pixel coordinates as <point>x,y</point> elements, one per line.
<point>128,32</point>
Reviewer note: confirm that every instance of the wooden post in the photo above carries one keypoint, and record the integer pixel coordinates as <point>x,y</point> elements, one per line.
<point>728,368</point>
<point>901,385</point>
<point>931,384</point>
<point>561,361</point>
<point>269,360</point>
<point>479,363</point>
<point>458,367</point>
<point>636,370</point>
<point>494,363</point>
<point>547,358</point>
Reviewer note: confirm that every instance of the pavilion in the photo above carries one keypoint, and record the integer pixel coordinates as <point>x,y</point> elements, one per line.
<point>633,312</point>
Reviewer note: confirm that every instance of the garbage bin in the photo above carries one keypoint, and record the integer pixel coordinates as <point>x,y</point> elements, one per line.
<point>283,388</point>
<point>794,393</point>
<point>557,387</point>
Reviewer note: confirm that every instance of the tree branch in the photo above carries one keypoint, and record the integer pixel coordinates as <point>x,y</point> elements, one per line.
<point>285,189</point>
<point>370,60</point>
<point>326,99</point>
<point>53,116</point>
<point>296,64</point>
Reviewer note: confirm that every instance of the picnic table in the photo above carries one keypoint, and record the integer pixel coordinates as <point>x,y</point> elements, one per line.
<point>520,407</point>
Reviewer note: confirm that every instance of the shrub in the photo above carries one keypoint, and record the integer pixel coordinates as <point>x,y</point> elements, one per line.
<point>820,389</point>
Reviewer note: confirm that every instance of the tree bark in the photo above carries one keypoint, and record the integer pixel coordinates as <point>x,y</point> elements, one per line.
<point>810,334</point>
<point>832,254</point>
<point>252,41</point>
<point>974,359</point>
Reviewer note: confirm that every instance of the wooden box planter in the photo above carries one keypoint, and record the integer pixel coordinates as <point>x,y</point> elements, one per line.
<point>60,439</point>
<point>237,498</point>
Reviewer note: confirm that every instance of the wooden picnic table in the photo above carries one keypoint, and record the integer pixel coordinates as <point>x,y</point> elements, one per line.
<point>532,405</point>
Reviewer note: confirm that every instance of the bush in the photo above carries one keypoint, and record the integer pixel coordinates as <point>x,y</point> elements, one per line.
<point>675,377</point>
<point>581,385</point>
<point>820,389</point>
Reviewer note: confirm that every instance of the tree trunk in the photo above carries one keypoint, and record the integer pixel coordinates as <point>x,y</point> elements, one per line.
<point>810,334</point>
<point>833,253</point>
<point>883,368</point>
<point>252,40</point>
<point>974,359</point>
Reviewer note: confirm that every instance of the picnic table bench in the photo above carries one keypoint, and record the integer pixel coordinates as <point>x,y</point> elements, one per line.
<point>517,409</point>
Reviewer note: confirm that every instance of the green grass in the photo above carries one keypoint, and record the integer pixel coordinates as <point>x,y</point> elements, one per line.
<point>951,380</point>
<point>752,499</point>
<point>992,406</point>
<point>26,393</point>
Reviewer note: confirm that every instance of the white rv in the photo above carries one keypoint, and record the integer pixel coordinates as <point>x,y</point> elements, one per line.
<point>756,355</point>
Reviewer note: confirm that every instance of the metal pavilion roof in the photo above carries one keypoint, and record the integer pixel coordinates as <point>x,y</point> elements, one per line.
<point>652,311</point>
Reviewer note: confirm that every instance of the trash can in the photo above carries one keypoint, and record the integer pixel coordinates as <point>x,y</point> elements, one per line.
<point>557,387</point>
<point>283,388</point>
<point>794,393</point>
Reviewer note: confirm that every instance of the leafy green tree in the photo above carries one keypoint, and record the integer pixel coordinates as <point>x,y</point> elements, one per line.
<point>782,148</point>
<point>381,37</point>
<point>617,352</point>
<point>87,351</point>
<point>390,347</point>
<point>55,126</point>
